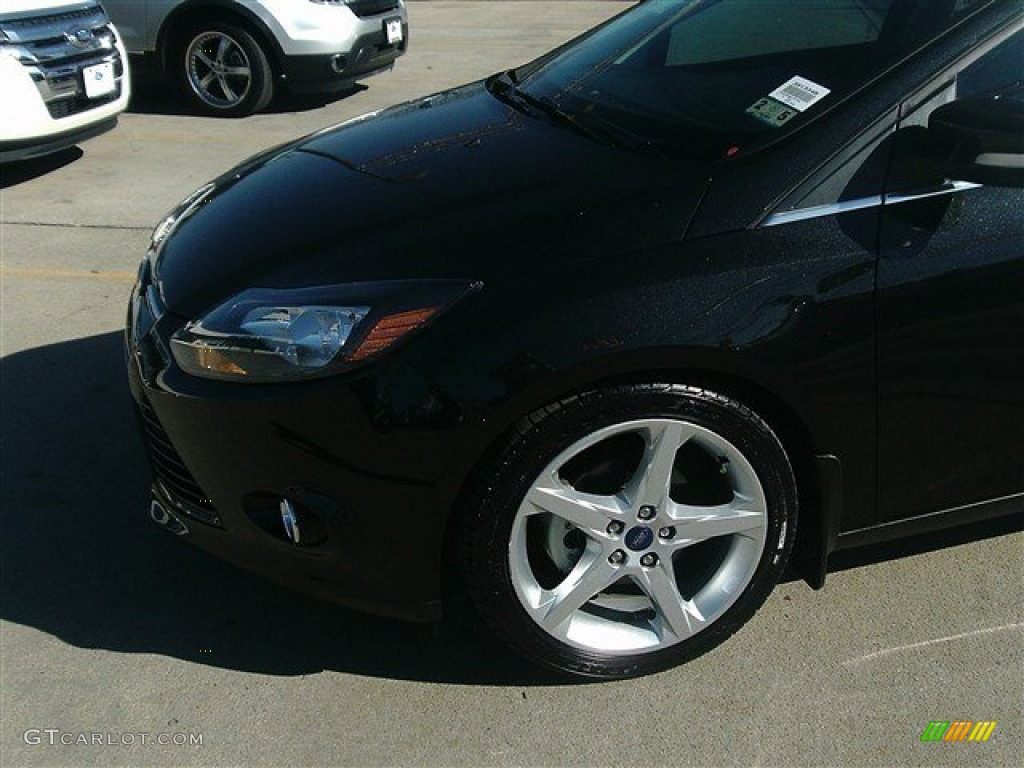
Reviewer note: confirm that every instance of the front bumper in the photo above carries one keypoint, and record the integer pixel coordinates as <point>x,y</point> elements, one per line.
<point>28,149</point>
<point>369,54</point>
<point>224,455</point>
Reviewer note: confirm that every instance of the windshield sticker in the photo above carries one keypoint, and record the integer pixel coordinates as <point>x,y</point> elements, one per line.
<point>799,93</point>
<point>772,112</point>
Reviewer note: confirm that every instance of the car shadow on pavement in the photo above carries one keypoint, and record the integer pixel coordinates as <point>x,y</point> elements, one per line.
<point>12,174</point>
<point>154,94</point>
<point>82,561</point>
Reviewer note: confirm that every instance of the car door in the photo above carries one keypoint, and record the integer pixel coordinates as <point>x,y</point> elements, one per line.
<point>950,297</point>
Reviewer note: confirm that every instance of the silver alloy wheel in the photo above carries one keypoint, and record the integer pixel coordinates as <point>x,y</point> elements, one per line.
<point>618,585</point>
<point>219,71</point>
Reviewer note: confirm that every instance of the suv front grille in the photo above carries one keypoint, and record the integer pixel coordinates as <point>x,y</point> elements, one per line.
<point>171,472</point>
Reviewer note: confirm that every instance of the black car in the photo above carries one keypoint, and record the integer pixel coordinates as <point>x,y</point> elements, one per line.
<point>715,287</point>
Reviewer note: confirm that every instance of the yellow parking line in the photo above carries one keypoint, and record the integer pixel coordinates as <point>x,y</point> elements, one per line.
<point>45,273</point>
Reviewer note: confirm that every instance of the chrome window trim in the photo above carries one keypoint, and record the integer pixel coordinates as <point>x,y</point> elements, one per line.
<point>833,209</point>
<point>817,211</point>
<point>948,189</point>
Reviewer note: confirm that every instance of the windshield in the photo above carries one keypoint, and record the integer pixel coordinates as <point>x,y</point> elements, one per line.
<point>703,80</point>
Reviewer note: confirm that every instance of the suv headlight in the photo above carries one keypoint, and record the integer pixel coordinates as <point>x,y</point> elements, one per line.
<point>265,335</point>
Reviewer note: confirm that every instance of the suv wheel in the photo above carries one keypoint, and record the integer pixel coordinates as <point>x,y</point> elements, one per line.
<point>226,71</point>
<point>628,529</point>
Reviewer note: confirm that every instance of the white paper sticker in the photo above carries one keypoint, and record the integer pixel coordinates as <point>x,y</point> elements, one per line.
<point>800,93</point>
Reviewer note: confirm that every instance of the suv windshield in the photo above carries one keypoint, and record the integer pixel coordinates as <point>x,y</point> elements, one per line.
<point>702,80</point>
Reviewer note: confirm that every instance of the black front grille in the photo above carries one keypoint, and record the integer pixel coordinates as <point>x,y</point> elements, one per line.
<point>363,8</point>
<point>171,473</point>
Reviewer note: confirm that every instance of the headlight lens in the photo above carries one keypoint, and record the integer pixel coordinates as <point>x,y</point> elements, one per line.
<point>264,335</point>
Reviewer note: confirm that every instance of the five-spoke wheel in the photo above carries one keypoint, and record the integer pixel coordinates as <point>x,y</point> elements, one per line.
<point>226,70</point>
<point>630,528</point>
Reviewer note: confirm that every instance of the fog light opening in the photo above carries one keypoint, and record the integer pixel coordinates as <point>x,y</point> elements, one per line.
<point>158,513</point>
<point>338,64</point>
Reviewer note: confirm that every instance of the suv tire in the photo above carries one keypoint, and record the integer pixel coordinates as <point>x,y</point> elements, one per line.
<point>224,69</point>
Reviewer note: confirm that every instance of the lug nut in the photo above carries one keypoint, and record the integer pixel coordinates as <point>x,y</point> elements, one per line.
<point>667,532</point>
<point>615,527</point>
<point>649,560</point>
<point>646,513</point>
<point>618,557</point>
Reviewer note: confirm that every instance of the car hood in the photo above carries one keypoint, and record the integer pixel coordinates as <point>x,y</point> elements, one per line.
<point>457,185</point>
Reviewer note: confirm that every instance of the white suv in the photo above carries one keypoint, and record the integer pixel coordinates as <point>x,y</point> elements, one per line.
<point>232,54</point>
<point>63,75</point>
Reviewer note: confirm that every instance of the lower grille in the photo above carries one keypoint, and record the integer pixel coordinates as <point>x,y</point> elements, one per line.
<point>363,8</point>
<point>67,107</point>
<point>171,473</point>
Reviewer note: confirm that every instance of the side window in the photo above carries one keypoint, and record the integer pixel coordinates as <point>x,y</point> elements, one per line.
<point>1000,69</point>
<point>927,155</point>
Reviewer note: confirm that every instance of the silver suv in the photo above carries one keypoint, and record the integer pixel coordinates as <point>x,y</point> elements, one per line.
<point>233,54</point>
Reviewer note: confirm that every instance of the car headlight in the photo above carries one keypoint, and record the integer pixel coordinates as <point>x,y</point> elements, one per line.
<point>266,335</point>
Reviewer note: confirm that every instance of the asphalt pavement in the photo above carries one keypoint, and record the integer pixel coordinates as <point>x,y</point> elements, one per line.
<point>117,635</point>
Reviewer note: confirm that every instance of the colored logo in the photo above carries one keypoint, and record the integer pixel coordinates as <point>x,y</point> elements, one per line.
<point>80,38</point>
<point>639,538</point>
<point>958,730</point>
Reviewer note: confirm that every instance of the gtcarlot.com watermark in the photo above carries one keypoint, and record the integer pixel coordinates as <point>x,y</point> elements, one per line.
<point>55,737</point>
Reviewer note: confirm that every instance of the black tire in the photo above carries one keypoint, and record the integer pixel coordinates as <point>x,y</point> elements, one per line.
<point>721,455</point>
<point>224,69</point>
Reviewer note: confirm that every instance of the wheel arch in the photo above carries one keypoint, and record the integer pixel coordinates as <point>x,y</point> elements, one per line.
<point>818,476</point>
<point>221,10</point>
